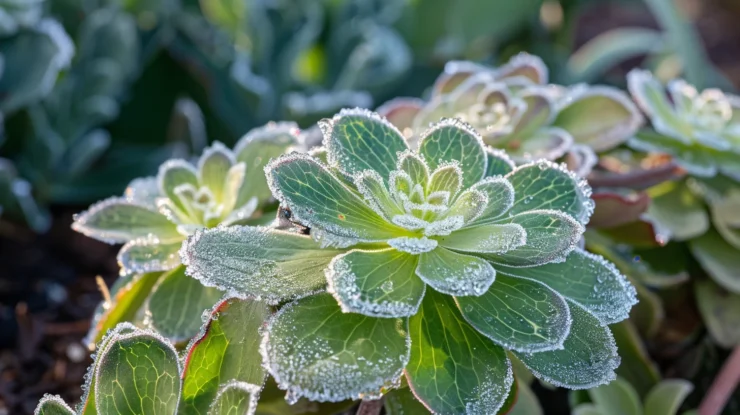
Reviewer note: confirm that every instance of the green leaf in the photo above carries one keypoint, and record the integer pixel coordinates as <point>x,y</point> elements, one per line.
<point>452,141</point>
<point>499,163</point>
<point>235,398</point>
<point>318,199</point>
<point>116,220</point>
<point>178,301</point>
<point>588,359</point>
<point>636,368</point>
<point>500,195</point>
<point>453,368</point>
<point>257,262</point>
<point>650,95</point>
<point>455,274</point>
<point>720,311</point>
<point>680,212</point>
<point>491,238</point>
<point>599,116</point>
<point>551,236</point>
<point>137,373</point>
<point>586,279</point>
<point>174,173</point>
<point>376,283</point>
<point>53,405</point>
<point>213,166</point>
<point>538,111</point>
<point>526,402</point>
<point>546,185</point>
<point>358,140</point>
<point>616,398</point>
<point>227,350</point>
<point>587,409</point>
<point>231,15</point>
<point>314,350</point>
<point>666,397</point>
<point>446,178</point>
<point>256,149</point>
<point>519,314</point>
<point>272,402</point>
<point>128,295</point>
<point>403,402</point>
<point>411,163</point>
<point>720,259</point>
<point>726,216</point>
<point>147,255</point>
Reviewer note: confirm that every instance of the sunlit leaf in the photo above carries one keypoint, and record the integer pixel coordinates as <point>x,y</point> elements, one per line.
<point>666,397</point>
<point>235,398</point>
<point>454,273</point>
<point>53,405</point>
<point>616,398</point>
<point>147,255</point>
<point>452,141</point>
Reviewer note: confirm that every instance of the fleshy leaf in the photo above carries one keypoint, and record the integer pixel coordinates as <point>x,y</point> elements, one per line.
<point>174,173</point>
<point>358,140</point>
<point>546,185</point>
<point>139,373</point>
<point>226,350</point>
<point>500,194</point>
<point>586,279</point>
<point>492,238</point>
<point>401,112</point>
<point>680,212</point>
<point>376,283</point>
<point>616,398</point>
<point>650,95</point>
<point>499,163</point>
<point>454,273</point>
<point>588,359</point>
<point>453,368</point>
<point>143,191</point>
<point>373,189</point>
<point>451,140</point>
<point>257,262</point>
<point>446,178</point>
<point>403,402</point>
<point>667,396</point>
<point>53,405</point>
<point>524,65</point>
<point>235,398</point>
<point>614,209</point>
<point>551,236</point>
<point>414,166</point>
<point>272,402</point>
<point>720,311</point>
<point>519,314</point>
<point>318,199</point>
<point>312,349</point>
<point>726,215</point>
<point>720,259</point>
<point>213,168</point>
<point>178,301</point>
<point>116,220</point>
<point>526,401</point>
<point>256,149</point>
<point>147,255</point>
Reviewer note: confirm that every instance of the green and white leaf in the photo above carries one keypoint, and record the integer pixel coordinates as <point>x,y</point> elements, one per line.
<point>53,405</point>
<point>235,398</point>
<point>486,239</point>
<point>148,255</point>
<point>616,398</point>
<point>450,140</point>
<point>667,396</point>
<point>453,273</point>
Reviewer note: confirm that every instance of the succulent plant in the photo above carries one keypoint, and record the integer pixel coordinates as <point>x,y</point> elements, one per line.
<point>425,254</point>
<point>701,130</point>
<point>619,397</point>
<point>156,214</point>
<point>515,109</point>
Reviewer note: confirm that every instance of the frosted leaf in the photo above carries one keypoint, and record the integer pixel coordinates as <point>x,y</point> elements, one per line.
<point>409,222</point>
<point>314,350</point>
<point>400,184</point>
<point>588,359</point>
<point>499,163</point>
<point>451,140</point>
<point>213,166</point>
<point>581,160</point>
<point>445,226</point>
<point>415,166</point>
<point>256,262</point>
<point>500,195</point>
<point>447,178</point>
<point>173,173</point>
<point>546,185</point>
<point>376,283</point>
<point>142,191</point>
<point>372,188</point>
<point>455,274</point>
<point>401,113</point>
<point>650,96</point>
<point>53,405</point>
<point>148,255</point>
<point>116,220</point>
<point>491,238</point>
<point>454,369</point>
<point>547,143</point>
<point>242,213</point>
<point>411,245</point>
<point>440,197</point>
<point>524,65</point>
<point>358,139</point>
<point>519,314</point>
<point>234,181</point>
<point>237,398</point>
<point>588,280</point>
<point>551,236</point>
<point>469,205</point>
<point>318,199</point>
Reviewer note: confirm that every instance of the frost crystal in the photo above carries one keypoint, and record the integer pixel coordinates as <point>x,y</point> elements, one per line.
<point>413,246</point>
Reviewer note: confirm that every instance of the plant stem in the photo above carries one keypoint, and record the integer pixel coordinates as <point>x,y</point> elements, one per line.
<point>370,407</point>
<point>723,386</point>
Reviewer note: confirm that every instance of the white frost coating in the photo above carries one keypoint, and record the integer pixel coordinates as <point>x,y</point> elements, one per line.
<point>148,255</point>
<point>372,187</point>
<point>216,148</point>
<point>455,274</point>
<point>352,298</point>
<point>243,213</point>
<point>143,191</point>
<point>413,246</point>
<point>447,173</point>
<point>399,182</point>
<point>602,308</point>
<point>409,222</point>
<point>501,155</point>
<point>269,132</point>
<point>252,390</point>
<point>444,226</point>
<point>499,194</point>
<point>461,125</point>
<point>52,398</point>
<point>492,392</point>
<point>417,158</point>
<point>82,220</point>
<point>469,205</point>
<point>583,159</point>
<point>172,164</point>
<point>523,59</point>
<point>440,197</point>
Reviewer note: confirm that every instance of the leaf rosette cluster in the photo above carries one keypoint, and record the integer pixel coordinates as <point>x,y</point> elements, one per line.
<point>436,262</point>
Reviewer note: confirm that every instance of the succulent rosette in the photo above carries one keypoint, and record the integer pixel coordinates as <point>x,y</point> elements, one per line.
<point>156,214</point>
<point>436,261</point>
<point>514,108</point>
<point>701,130</point>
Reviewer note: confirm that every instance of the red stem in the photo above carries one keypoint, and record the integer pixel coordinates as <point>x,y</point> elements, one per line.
<point>723,386</point>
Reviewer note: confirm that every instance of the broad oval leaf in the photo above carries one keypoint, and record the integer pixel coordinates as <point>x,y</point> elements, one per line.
<point>519,314</point>
<point>451,140</point>
<point>318,199</point>
<point>376,283</point>
<point>453,368</point>
<point>588,359</point>
<point>680,212</point>
<point>226,350</point>
<point>546,185</point>
<point>586,279</point>
<point>173,173</point>
<point>53,405</point>
<point>454,273</point>
<point>500,194</point>
<point>235,398</point>
<point>401,112</point>
<point>178,301</point>
<point>137,372</point>
<point>213,167</point>
<point>616,209</point>
<point>616,398</point>
<point>117,220</point>
<point>720,259</point>
<point>314,350</point>
<point>491,238</point>
<point>359,139</point>
<point>720,311</point>
<point>148,255</point>
<point>667,396</point>
<point>257,262</point>
<point>499,163</point>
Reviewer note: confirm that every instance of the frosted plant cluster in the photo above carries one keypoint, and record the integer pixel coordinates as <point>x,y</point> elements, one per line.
<point>424,250</point>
